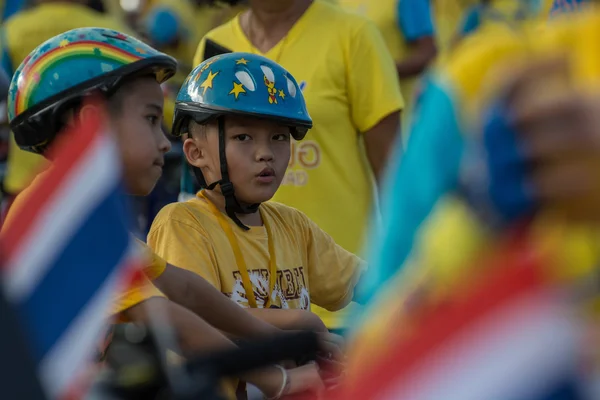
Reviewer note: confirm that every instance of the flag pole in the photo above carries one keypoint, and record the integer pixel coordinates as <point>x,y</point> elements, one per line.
<point>18,375</point>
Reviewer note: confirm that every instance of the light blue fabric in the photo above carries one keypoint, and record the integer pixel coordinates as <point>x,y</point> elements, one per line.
<point>5,62</point>
<point>423,175</point>
<point>414,18</point>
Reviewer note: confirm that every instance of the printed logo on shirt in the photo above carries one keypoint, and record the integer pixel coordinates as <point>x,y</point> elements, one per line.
<point>289,288</point>
<point>305,155</point>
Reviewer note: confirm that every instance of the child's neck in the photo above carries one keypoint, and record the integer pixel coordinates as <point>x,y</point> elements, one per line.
<point>218,200</point>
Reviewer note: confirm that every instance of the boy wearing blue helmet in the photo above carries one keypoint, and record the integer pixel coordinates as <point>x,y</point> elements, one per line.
<point>239,112</point>
<point>46,93</point>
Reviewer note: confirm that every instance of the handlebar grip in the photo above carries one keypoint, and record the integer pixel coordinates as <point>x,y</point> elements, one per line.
<point>257,354</point>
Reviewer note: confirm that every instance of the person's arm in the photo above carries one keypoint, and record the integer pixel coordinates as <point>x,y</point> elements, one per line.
<point>196,294</point>
<point>195,335</point>
<point>379,140</point>
<point>289,319</point>
<point>414,17</point>
<point>373,93</point>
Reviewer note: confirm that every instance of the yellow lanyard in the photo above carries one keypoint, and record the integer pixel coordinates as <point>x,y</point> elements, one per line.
<point>239,259</point>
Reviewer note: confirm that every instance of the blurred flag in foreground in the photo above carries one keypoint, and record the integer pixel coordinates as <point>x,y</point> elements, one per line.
<point>512,337</point>
<point>66,252</point>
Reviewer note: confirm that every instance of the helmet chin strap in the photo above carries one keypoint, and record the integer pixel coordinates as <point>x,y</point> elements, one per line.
<point>232,205</point>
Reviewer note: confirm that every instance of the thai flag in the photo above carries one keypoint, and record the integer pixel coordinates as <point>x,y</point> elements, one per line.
<point>67,251</point>
<point>512,337</point>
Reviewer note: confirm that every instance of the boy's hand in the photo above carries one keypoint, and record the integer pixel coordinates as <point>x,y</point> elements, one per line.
<point>332,346</point>
<point>304,380</point>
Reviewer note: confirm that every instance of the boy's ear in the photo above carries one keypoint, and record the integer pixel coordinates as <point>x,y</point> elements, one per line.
<point>87,111</point>
<point>82,115</point>
<point>194,152</point>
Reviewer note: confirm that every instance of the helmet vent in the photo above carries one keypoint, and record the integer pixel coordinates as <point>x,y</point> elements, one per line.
<point>291,87</point>
<point>246,79</point>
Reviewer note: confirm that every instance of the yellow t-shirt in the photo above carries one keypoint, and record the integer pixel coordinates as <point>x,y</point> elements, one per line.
<point>310,266</point>
<point>23,32</point>
<point>351,85</point>
<point>140,291</point>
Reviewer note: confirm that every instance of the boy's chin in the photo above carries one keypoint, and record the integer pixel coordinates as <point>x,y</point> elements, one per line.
<point>256,197</point>
<point>141,189</point>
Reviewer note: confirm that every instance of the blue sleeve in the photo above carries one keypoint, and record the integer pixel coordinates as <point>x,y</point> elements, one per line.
<point>414,18</point>
<point>414,183</point>
<point>5,61</point>
<point>11,7</point>
<point>471,20</point>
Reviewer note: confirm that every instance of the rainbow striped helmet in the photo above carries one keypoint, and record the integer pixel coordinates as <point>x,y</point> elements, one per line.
<point>63,69</point>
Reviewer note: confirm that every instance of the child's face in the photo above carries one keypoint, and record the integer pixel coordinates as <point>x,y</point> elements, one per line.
<point>257,151</point>
<point>141,140</point>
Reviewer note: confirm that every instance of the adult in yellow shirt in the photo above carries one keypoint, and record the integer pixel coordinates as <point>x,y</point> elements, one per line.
<point>353,96</point>
<point>20,34</point>
<point>408,31</point>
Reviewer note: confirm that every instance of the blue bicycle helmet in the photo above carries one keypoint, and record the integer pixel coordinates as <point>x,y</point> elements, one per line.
<point>239,84</point>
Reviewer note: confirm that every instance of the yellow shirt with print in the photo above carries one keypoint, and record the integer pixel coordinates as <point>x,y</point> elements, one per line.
<point>349,88</point>
<point>452,239</point>
<point>140,291</point>
<point>22,33</point>
<point>310,266</point>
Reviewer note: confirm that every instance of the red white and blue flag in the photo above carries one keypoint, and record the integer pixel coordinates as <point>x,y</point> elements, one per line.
<point>66,251</point>
<point>512,337</point>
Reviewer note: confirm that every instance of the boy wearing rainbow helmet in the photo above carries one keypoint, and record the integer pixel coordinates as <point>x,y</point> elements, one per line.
<point>239,112</point>
<point>47,92</point>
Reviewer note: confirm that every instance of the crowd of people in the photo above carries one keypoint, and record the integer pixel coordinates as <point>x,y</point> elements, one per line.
<point>338,166</point>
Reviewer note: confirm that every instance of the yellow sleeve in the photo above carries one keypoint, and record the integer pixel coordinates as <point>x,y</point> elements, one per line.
<point>22,167</point>
<point>332,271</point>
<point>373,85</point>
<point>184,246</point>
<point>154,266</point>
<point>140,291</point>
<point>198,57</point>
